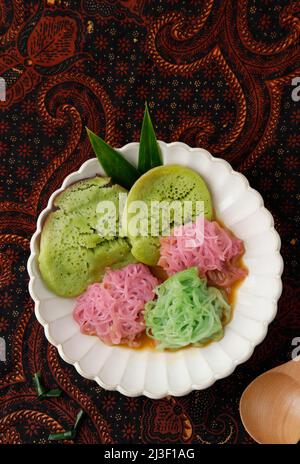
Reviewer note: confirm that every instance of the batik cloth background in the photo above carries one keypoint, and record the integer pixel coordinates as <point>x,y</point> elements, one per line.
<point>216,74</point>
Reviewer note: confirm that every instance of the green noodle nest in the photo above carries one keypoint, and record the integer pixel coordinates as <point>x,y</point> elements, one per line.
<point>186,312</point>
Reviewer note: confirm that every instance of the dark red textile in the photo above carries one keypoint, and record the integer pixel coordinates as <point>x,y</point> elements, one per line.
<point>216,74</point>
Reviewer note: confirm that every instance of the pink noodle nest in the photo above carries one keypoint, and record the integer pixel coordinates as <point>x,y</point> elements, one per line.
<point>112,310</point>
<point>206,245</point>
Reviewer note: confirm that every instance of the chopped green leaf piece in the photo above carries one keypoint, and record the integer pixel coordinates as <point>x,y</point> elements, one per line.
<point>55,393</point>
<point>68,434</point>
<point>78,420</point>
<point>41,391</point>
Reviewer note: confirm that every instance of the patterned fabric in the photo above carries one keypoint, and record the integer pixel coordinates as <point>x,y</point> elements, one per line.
<point>216,74</point>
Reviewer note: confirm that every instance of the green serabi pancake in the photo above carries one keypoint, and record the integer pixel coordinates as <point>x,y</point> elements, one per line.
<point>169,183</point>
<point>72,253</point>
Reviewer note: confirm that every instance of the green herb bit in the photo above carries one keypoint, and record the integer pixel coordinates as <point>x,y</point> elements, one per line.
<point>78,420</point>
<point>68,434</point>
<point>149,150</point>
<point>55,393</point>
<point>41,391</point>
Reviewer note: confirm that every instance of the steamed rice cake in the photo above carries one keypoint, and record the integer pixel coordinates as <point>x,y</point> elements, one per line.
<point>72,253</point>
<point>168,183</point>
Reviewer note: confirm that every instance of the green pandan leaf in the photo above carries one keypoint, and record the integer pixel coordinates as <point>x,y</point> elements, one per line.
<point>41,391</point>
<point>68,434</point>
<point>149,150</point>
<point>113,163</point>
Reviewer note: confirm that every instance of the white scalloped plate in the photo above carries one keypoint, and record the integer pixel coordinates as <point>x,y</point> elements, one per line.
<point>155,374</point>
